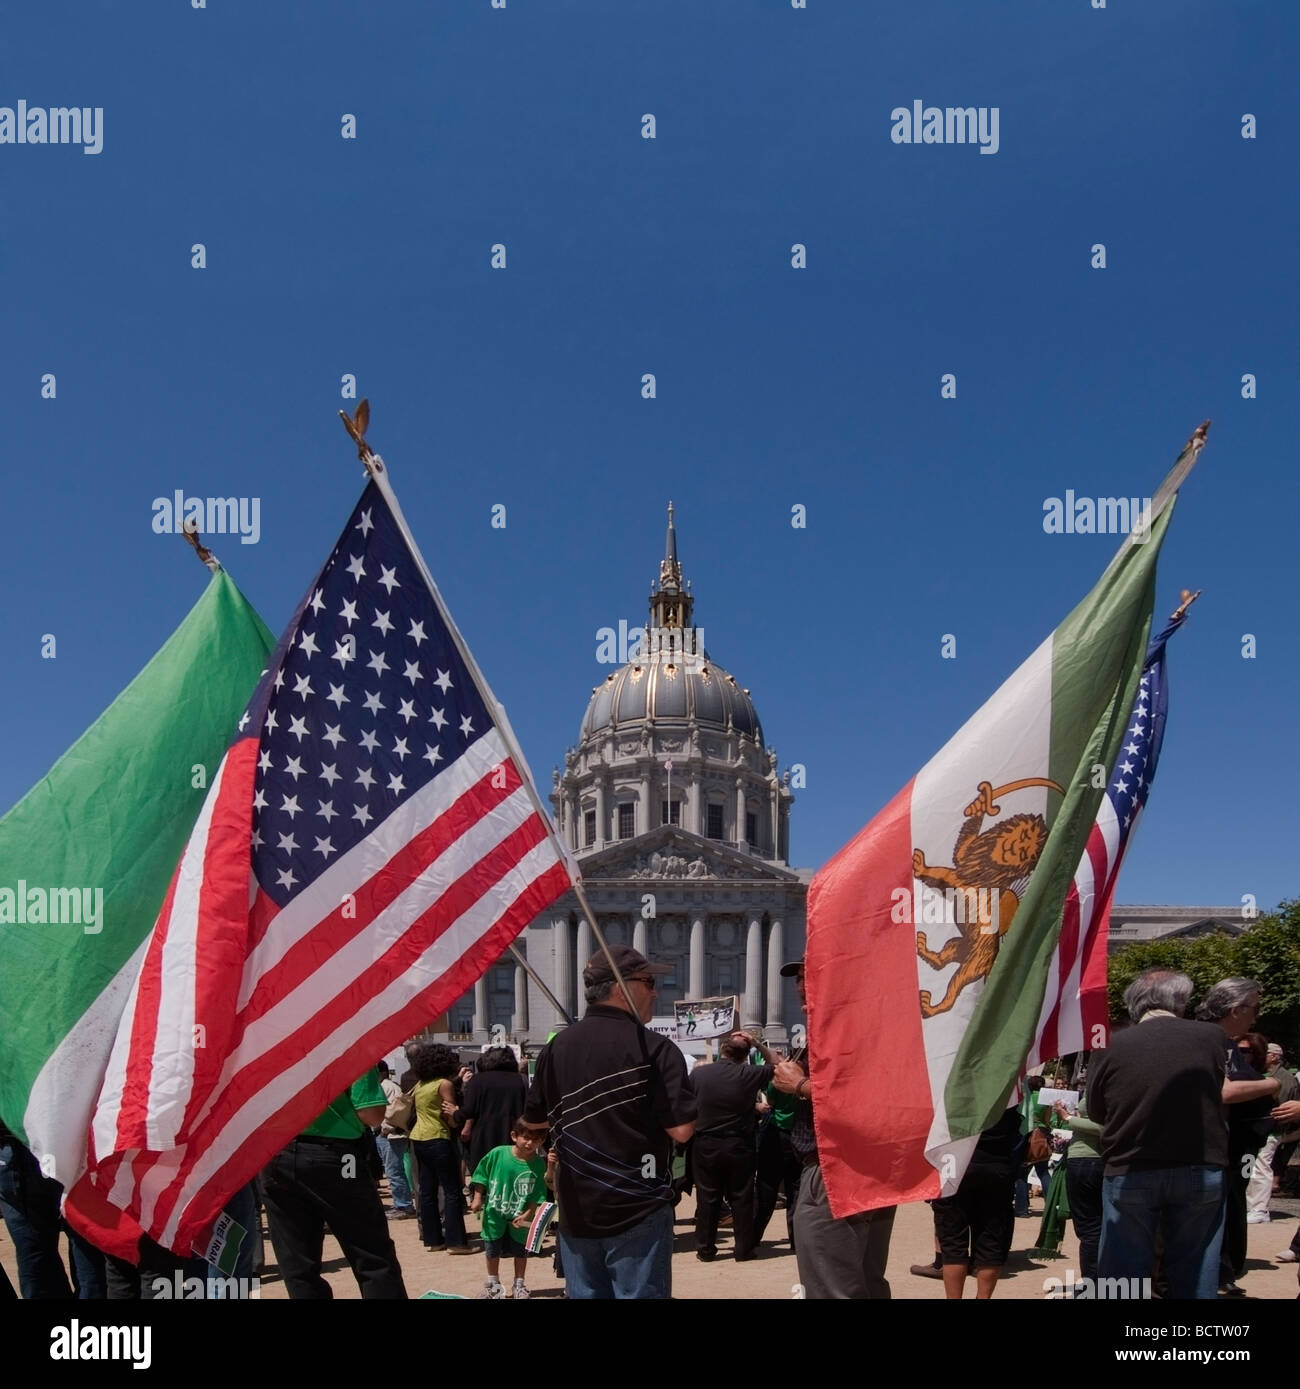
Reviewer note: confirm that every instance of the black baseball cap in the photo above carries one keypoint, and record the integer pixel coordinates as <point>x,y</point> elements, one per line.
<point>629,961</point>
<point>794,967</point>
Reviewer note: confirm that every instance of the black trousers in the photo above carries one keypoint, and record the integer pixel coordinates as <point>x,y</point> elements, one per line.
<point>724,1167</point>
<point>310,1185</point>
<point>778,1169</point>
<point>1083,1178</point>
<point>1232,1258</point>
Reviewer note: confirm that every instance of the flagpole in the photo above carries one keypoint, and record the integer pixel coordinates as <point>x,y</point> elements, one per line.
<point>356,426</point>
<point>537,979</point>
<point>1174,479</point>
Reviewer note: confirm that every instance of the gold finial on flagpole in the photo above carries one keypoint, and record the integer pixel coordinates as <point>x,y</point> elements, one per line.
<point>356,425</point>
<point>190,530</point>
<point>1188,598</point>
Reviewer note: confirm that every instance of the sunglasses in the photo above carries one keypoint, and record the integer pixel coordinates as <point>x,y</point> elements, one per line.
<point>648,980</point>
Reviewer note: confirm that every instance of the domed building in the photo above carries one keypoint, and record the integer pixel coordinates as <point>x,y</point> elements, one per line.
<point>673,804</point>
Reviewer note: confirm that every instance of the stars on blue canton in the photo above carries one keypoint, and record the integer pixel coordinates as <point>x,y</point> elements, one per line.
<point>369,702</point>
<point>1134,768</point>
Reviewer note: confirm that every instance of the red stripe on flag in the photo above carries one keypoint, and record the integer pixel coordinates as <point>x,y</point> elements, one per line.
<point>134,1104</point>
<point>873,1110</point>
<point>221,932</point>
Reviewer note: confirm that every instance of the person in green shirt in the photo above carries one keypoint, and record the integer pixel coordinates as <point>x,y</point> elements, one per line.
<point>513,1177</point>
<point>321,1178</point>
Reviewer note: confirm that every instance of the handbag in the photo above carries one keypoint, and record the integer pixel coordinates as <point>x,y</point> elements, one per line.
<point>1038,1147</point>
<point>400,1113</point>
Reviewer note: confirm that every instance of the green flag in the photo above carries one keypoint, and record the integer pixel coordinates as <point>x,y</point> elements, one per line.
<point>85,862</point>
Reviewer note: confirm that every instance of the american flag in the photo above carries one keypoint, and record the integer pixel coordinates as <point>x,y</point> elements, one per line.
<point>1074,1013</point>
<point>396,847</point>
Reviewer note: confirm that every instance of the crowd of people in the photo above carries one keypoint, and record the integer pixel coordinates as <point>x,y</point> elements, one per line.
<point>1176,1144</point>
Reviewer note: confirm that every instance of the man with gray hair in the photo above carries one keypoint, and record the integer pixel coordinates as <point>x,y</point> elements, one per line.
<point>1158,1095</point>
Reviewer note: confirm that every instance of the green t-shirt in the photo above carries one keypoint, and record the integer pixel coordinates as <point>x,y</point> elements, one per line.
<point>340,1119</point>
<point>512,1186</point>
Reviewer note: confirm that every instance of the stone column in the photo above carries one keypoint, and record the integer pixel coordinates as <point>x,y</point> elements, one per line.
<point>639,934</point>
<point>751,1007</point>
<point>575,820</point>
<point>740,813</point>
<point>480,1008</point>
<point>776,822</point>
<point>519,1021</point>
<point>647,820</point>
<point>775,951</point>
<point>698,985</point>
<point>562,981</point>
<point>691,813</point>
<point>585,952</point>
<point>601,826</point>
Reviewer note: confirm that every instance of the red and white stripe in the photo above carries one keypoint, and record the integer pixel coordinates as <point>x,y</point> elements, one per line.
<point>1074,1015</point>
<point>294,1004</point>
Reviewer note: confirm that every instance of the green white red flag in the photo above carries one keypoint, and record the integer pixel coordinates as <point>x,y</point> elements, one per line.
<point>932,933</point>
<point>85,860</point>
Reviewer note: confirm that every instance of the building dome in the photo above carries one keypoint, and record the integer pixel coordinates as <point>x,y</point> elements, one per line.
<point>669,686</point>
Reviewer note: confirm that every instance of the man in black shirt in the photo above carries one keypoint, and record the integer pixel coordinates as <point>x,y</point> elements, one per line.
<point>1157,1092</point>
<point>724,1155</point>
<point>616,1097</point>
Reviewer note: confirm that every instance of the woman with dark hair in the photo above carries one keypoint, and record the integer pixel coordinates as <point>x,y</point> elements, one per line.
<point>434,1148</point>
<point>494,1099</point>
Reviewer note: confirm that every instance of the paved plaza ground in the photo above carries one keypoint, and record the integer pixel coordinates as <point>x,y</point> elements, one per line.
<point>773,1274</point>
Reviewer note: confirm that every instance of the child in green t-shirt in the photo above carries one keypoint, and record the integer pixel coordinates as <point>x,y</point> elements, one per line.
<point>514,1178</point>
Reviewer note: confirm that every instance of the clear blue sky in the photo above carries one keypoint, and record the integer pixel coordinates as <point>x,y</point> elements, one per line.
<point>672,256</point>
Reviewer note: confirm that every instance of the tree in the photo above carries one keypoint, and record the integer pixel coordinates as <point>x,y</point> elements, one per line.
<point>1268,950</point>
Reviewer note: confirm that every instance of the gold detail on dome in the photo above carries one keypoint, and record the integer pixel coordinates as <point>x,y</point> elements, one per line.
<point>637,673</point>
<point>671,672</point>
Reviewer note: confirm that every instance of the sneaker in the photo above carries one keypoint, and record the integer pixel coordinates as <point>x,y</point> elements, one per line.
<point>1287,1256</point>
<point>492,1291</point>
<point>401,1213</point>
<point>1258,1218</point>
<point>436,1248</point>
<point>459,1249</point>
<point>706,1256</point>
<point>521,1293</point>
<point>927,1271</point>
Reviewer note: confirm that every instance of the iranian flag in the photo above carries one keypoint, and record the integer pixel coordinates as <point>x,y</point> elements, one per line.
<point>932,933</point>
<point>86,858</point>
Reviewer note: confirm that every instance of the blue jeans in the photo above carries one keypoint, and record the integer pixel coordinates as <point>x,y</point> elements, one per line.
<point>636,1263</point>
<point>392,1151</point>
<point>1182,1204</point>
<point>29,1202</point>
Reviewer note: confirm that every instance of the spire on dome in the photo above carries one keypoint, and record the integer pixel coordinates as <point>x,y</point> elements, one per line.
<point>671,601</point>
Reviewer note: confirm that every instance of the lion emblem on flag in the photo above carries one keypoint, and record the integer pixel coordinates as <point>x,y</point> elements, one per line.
<point>990,867</point>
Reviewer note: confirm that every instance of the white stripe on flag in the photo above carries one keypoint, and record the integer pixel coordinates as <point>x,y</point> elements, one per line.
<point>62,1100</point>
